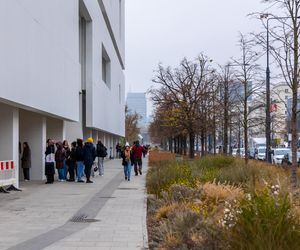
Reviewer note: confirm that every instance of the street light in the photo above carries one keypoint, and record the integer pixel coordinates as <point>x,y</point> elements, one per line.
<point>268,101</point>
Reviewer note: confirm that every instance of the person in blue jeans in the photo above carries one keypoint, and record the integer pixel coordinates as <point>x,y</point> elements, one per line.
<point>126,155</point>
<point>79,160</point>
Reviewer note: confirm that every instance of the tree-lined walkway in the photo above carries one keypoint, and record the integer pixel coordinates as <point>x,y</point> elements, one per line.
<point>108,214</point>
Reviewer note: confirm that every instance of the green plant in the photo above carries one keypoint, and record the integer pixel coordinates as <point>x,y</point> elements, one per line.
<point>161,177</point>
<point>265,221</point>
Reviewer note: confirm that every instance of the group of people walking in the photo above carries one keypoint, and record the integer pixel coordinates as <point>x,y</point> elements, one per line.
<point>132,156</point>
<point>76,161</point>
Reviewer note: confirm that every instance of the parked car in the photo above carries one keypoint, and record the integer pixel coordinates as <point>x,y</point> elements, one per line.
<point>288,158</point>
<point>251,153</point>
<point>234,152</point>
<point>242,152</point>
<point>261,153</point>
<point>278,154</point>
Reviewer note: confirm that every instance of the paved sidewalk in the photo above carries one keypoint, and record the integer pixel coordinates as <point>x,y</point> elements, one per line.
<point>108,214</point>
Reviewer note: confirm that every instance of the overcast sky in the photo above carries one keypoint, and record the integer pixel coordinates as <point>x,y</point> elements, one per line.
<point>167,30</point>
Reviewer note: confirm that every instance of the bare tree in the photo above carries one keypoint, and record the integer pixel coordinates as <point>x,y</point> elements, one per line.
<point>225,78</point>
<point>131,125</point>
<point>183,90</point>
<point>248,75</point>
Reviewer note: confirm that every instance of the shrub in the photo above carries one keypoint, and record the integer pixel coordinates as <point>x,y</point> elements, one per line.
<point>265,222</point>
<point>162,177</point>
<point>185,229</point>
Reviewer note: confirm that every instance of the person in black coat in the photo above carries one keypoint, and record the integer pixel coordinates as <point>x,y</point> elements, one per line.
<point>79,160</point>
<point>89,155</point>
<point>101,153</point>
<point>49,161</point>
<point>71,161</point>
<point>26,161</point>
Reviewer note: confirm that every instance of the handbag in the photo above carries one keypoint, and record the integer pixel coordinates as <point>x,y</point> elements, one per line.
<point>95,167</point>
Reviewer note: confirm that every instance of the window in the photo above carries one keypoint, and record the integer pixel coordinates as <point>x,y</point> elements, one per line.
<point>286,97</point>
<point>105,67</point>
<point>286,90</point>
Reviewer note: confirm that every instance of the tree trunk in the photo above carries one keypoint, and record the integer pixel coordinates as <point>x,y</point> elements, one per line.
<point>246,124</point>
<point>294,107</point>
<point>226,118</point>
<point>202,143</point>
<point>171,144</point>
<point>192,144</point>
<point>294,141</point>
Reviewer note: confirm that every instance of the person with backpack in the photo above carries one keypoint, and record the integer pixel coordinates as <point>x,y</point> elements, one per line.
<point>89,155</point>
<point>49,162</point>
<point>137,151</point>
<point>60,157</point>
<point>118,150</point>
<point>71,162</point>
<point>79,160</point>
<point>101,153</point>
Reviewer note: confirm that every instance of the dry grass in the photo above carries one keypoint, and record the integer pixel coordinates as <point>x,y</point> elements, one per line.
<point>160,156</point>
<point>164,211</point>
<point>218,192</point>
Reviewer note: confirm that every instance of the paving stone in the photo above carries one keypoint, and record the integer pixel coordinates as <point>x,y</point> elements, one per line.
<point>38,218</point>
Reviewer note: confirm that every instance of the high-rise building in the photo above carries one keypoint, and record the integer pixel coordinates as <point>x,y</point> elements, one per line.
<point>136,102</point>
<point>61,75</point>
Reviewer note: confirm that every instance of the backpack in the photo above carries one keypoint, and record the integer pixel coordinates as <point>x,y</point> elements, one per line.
<point>101,151</point>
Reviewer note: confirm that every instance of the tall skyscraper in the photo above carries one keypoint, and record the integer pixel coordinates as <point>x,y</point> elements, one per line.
<point>136,102</point>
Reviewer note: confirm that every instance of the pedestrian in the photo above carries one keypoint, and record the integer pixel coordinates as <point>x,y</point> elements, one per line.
<point>137,151</point>
<point>118,150</point>
<point>71,162</point>
<point>26,161</point>
<point>60,157</point>
<point>145,150</point>
<point>101,153</point>
<point>126,162</point>
<point>89,155</point>
<point>79,160</point>
<point>67,152</point>
<point>49,162</point>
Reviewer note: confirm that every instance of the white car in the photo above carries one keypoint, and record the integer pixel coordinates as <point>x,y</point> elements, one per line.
<point>234,152</point>
<point>278,154</point>
<point>261,153</point>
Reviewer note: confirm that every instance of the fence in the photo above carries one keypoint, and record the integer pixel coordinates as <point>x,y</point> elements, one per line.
<point>8,176</point>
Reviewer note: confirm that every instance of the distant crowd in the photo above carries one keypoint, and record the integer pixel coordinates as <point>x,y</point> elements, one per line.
<point>80,160</point>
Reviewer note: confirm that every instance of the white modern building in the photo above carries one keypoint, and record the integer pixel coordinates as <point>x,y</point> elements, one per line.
<point>61,74</point>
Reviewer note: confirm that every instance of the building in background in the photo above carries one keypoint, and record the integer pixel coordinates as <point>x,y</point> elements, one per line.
<point>137,102</point>
<point>280,96</point>
<point>61,74</point>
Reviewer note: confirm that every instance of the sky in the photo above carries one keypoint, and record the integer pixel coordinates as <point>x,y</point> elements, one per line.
<point>166,31</point>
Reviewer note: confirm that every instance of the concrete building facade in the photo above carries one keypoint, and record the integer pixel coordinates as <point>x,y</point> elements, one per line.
<point>280,95</point>
<point>61,74</point>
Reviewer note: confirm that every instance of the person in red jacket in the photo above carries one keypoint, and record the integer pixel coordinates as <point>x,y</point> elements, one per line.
<point>137,151</point>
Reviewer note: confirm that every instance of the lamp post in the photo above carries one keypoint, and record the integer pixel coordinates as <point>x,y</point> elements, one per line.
<point>268,102</point>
